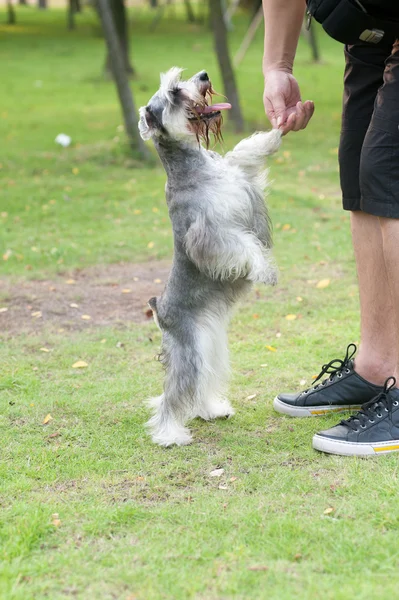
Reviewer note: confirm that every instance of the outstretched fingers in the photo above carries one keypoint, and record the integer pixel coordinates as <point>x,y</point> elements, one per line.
<point>299,117</point>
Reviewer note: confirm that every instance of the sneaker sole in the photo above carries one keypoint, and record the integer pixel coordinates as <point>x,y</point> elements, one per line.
<point>310,411</point>
<point>344,448</point>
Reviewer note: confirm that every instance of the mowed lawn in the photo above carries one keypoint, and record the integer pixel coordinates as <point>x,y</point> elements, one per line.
<point>90,509</point>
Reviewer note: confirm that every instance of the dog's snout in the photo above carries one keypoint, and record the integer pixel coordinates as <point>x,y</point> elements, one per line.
<point>203,76</point>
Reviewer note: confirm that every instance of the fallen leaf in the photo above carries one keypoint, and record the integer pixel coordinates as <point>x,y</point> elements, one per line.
<point>79,364</point>
<point>323,283</point>
<point>55,520</point>
<point>137,211</point>
<point>278,335</point>
<point>47,419</point>
<point>271,348</point>
<point>258,568</point>
<point>263,365</point>
<point>70,281</point>
<point>302,382</point>
<point>297,556</point>
<point>136,279</point>
<point>148,313</point>
<point>290,317</point>
<point>3,309</point>
<point>44,350</point>
<point>286,227</point>
<point>299,299</point>
<point>251,397</point>
<point>75,170</point>
<point>150,245</point>
<point>216,473</point>
<point>86,317</point>
<point>328,510</point>
<point>74,305</point>
<point>37,314</point>
<point>126,291</point>
<point>103,341</point>
<point>221,486</point>
<point>233,479</point>
<point>54,435</point>
<point>157,280</point>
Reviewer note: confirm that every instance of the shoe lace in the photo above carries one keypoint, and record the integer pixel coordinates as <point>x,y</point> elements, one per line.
<point>374,408</point>
<point>334,368</point>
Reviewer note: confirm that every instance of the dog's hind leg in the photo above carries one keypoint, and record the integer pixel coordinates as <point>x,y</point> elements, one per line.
<point>215,356</point>
<point>183,386</point>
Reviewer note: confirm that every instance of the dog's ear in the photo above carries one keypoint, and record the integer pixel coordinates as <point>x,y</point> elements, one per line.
<point>144,128</point>
<point>170,83</point>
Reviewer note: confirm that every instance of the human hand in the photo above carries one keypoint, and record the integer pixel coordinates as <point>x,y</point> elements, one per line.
<point>282,101</point>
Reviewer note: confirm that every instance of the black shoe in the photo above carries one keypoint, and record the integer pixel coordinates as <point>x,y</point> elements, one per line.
<point>343,390</point>
<point>373,430</point>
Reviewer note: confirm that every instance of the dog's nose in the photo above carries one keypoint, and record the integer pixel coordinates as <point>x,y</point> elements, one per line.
<point>203,76</point>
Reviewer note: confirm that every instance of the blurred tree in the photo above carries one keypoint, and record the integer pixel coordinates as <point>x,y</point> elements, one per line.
<point>118,67</point>
<point>11,18</point>
<point>73,8</point>
<point>42,4</point>
<point>189,10</point>
<point>22,2</point>
<point>310,36</point>
<point>222,51</point>
<point>118,9</point>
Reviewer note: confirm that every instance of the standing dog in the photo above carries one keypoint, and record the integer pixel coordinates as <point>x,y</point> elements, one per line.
<point>222,241</point>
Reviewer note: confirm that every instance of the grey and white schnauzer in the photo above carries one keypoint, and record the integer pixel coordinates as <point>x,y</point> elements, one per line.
<point>222,242</point>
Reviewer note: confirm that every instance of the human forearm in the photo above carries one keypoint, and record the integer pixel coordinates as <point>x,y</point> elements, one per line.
<point>283,22</point>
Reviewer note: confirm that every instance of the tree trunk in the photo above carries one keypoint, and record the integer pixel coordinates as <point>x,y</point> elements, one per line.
<point>73,8</point>
<point>23,2</point>
<point>310,35</point>
<point>222,51</point>
<point>11,18</point>
<point>189,10</point>
<point>71,15</point>
<point>117,64</point>
<point>42,4</point>
<point>119,15</point>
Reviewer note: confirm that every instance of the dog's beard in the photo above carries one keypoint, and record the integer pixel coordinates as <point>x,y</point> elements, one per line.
<point>203,123</point>
<point>202,128</point>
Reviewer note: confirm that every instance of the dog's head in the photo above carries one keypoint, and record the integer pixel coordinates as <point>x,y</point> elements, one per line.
<point>180,110</point>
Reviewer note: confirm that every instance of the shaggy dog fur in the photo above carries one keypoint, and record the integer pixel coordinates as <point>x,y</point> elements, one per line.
<point>222,242</point>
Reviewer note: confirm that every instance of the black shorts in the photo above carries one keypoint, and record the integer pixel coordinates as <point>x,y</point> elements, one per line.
<point>369,145</point>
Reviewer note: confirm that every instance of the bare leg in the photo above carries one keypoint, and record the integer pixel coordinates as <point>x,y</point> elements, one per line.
<point>376,245</point>
<point>390,237</point>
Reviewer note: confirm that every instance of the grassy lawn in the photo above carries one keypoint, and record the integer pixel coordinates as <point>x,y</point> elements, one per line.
<point>90,509</point>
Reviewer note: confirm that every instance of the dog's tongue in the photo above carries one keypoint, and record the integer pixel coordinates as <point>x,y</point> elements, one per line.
<point>213,107</point>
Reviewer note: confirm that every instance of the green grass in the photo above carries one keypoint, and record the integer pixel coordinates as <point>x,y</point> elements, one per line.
<point>134,520</point>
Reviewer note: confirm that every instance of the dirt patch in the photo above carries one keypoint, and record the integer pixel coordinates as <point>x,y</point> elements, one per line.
<point>97,296</point>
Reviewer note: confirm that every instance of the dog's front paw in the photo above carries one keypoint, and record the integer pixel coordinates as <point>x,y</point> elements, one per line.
<point>267,276</point>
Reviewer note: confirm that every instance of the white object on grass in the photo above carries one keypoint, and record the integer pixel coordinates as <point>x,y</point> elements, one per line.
<point>63,140</point>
